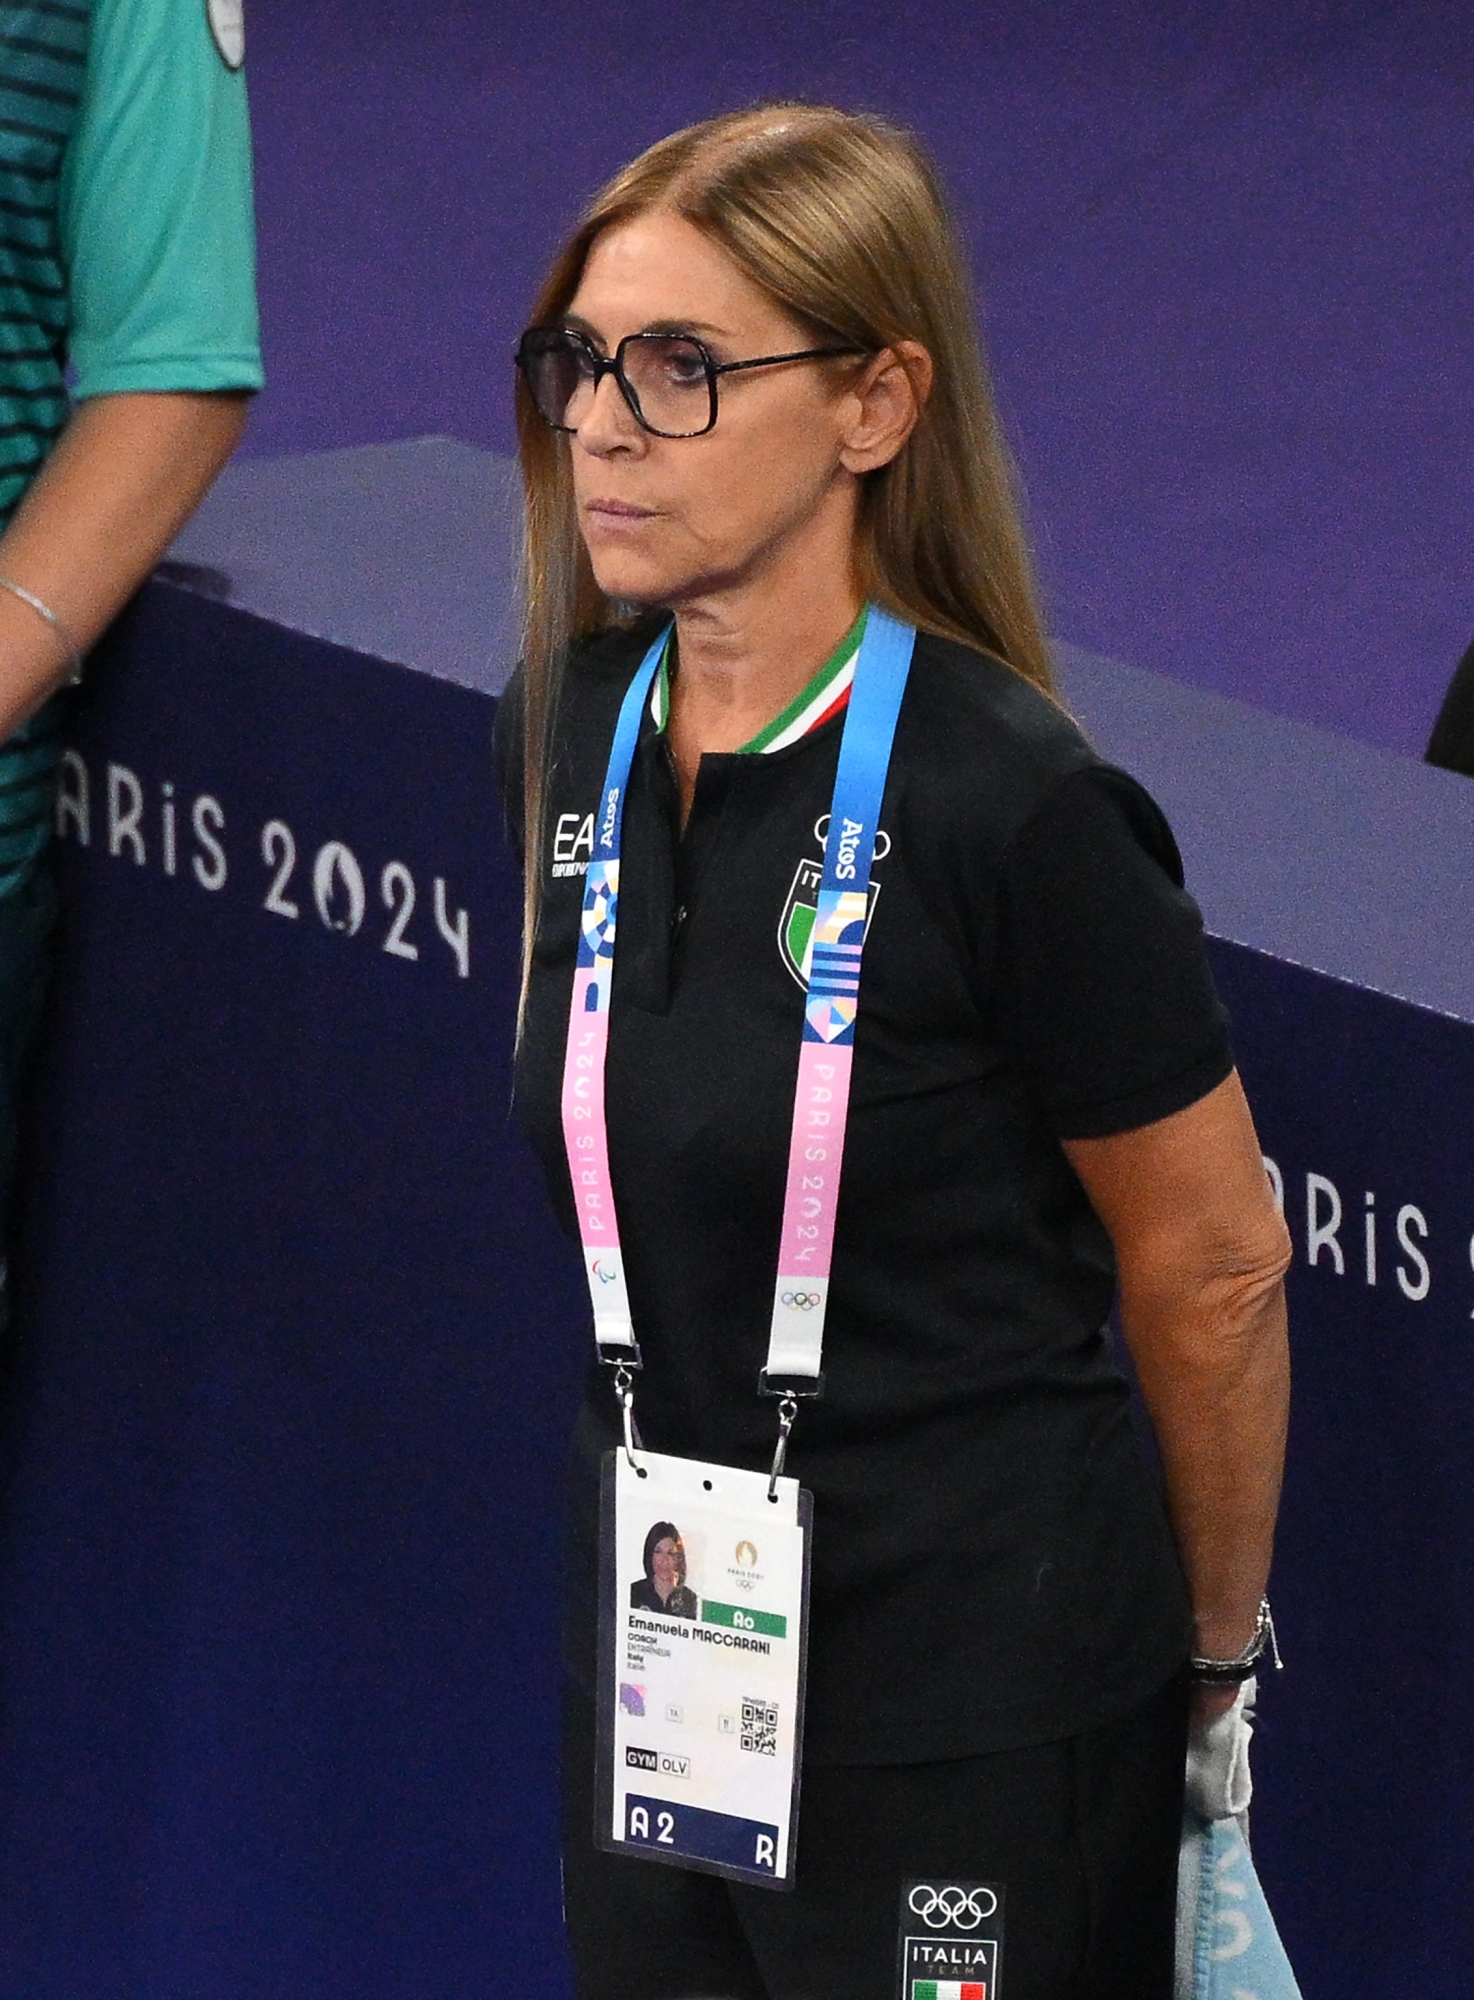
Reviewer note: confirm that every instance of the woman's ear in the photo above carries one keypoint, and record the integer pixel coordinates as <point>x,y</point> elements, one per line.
<point>885,405</point>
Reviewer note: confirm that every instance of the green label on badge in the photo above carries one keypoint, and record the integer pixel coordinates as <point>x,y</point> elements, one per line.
<point>769,1623</point>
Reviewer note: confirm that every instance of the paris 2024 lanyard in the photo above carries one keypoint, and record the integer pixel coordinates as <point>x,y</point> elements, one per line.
<point>703,1590</point>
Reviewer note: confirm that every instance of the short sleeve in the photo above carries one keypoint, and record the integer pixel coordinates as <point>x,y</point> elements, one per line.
<point>1106,1000</point>
<point>156,220</point>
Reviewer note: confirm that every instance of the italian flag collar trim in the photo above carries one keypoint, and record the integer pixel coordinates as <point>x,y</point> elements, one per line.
<point>826,694</point>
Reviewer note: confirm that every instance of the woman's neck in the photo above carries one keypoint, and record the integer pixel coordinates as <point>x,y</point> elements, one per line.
<point>741,658</point>
<point>740,666</point>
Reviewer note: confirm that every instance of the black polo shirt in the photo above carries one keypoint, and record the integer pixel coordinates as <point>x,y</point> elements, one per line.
<point>991,1561</point>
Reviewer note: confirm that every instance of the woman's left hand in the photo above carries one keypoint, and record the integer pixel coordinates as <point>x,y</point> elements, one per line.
<point>1219,1783</point>
<point>1208,1703</point>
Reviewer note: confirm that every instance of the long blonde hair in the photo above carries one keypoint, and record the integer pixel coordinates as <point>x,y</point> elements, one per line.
<point>840,219</point>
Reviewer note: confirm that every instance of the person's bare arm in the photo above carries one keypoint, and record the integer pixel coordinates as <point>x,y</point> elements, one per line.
<point>124,477</point>
<point>1202,1253</point>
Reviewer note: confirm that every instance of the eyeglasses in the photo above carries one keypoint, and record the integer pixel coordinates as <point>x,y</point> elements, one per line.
<point>668,380</point>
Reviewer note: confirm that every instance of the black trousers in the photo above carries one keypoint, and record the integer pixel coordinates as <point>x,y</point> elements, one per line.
<point>1082,1835</point>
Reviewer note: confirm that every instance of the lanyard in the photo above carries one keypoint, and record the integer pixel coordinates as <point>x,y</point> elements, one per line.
<point>831,1001</point>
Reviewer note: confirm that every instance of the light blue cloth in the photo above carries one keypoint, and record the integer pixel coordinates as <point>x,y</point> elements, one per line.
<point>154,220</point>
<point>127,252</point>
<point>1227,1945</point>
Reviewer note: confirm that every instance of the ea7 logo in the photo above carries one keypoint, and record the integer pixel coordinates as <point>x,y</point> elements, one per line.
<point>573,843</point>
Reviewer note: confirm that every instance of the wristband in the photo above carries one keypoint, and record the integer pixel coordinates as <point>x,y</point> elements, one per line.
<point>1232,1673</point>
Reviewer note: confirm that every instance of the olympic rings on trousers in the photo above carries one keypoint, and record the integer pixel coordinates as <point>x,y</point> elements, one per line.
<point>802,1301</point>
<point>958,1909</point>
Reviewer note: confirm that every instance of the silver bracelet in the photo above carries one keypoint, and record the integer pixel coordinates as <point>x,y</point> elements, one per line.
<point>1230,1673</point>
<point>73,651</point>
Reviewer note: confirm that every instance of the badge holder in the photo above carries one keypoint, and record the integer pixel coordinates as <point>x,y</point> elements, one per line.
<point>703,1633</point>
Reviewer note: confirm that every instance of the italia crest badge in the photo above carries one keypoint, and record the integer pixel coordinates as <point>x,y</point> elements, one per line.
<point>796,925</point>
<point>227,20</point>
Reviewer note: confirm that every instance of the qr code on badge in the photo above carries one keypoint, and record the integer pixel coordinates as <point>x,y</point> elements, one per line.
<point>760,1727</point>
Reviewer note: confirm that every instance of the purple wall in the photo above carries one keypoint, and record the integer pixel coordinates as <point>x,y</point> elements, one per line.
<point>1224,253</point>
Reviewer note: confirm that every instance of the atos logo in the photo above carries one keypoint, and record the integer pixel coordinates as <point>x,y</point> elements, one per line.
<point>882,838</point>
<point>849,841</point>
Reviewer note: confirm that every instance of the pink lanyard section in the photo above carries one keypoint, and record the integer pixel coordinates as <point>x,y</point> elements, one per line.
<point>585,1056</point>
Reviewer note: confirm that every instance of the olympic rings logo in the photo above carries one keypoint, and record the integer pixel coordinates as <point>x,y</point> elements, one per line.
<point>951,1907</point>
<point>802,1301</point>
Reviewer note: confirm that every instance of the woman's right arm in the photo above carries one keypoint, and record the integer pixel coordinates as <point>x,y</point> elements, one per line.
<point>1202,1252</point>
<point>1110,1008</point>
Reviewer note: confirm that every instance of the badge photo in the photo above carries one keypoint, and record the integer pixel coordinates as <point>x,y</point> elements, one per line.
<point>227,20</point>
<point>951,1940</point>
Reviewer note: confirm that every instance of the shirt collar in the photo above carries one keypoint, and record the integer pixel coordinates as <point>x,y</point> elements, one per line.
<point>826,694</point>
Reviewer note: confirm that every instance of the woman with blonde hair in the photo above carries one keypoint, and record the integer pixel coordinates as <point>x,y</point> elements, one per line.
<point>773,560</point>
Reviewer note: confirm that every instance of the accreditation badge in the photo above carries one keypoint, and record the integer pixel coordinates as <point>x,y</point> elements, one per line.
<point>703,1627</point>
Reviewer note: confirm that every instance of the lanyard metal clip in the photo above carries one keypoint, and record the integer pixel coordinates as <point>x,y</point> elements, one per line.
<point>787,1412</point>
<point>624,1388</point>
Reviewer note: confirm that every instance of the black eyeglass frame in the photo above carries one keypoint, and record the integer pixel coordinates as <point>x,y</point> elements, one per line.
<point>613,364</point>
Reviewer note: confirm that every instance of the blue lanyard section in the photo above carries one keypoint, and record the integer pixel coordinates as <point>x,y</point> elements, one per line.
<point>601,884</point>
<point>865,750</point>
<point>849,848</point>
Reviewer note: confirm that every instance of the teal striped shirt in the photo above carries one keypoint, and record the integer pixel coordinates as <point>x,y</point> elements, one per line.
<point>126,257</point>
<point>43,65</point>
